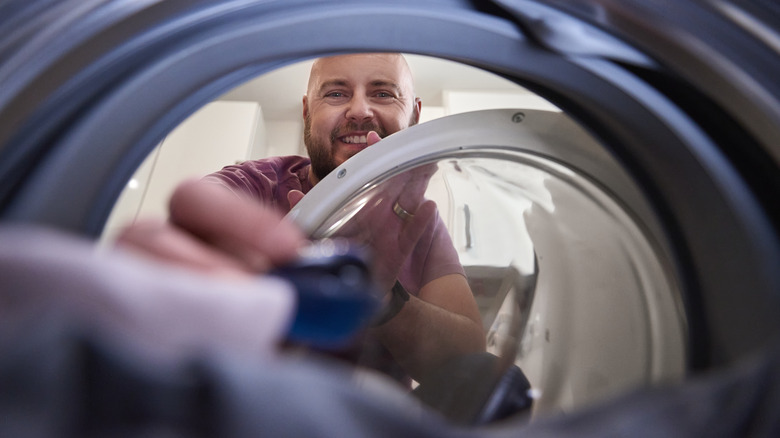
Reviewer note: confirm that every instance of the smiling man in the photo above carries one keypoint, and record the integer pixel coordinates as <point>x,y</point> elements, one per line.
<point>352,102</point>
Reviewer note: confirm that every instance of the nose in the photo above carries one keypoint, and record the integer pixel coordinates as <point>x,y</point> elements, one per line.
<point>360,109</point>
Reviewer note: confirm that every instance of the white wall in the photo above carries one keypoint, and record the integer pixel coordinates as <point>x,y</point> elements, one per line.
<point>218,134</point>
<point>282,137</point>
<point>429,113</point>
<point>461,101</point>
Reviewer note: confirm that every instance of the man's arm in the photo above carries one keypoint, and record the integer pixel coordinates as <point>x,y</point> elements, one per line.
<point>442,323</point>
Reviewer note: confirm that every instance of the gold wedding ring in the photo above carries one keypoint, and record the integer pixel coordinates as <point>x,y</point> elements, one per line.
<point>401,212</point>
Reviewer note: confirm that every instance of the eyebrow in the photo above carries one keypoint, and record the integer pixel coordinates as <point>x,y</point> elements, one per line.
<point>343,83</point>
<point>387,84</point>
<point>332,83</point>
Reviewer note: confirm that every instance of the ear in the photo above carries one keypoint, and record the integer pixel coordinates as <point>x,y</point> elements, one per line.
<point>417,107</point>
<point>305,106</point>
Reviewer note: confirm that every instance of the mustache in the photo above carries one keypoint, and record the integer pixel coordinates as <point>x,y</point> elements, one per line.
<point>352,126</point>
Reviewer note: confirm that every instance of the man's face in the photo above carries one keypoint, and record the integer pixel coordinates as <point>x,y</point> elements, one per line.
<point>349,96</point>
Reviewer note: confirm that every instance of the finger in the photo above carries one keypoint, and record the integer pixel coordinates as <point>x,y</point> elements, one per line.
<point>161,241</point>
<point>372,138</point>
<point>293,197</point>
<point>249,231</point>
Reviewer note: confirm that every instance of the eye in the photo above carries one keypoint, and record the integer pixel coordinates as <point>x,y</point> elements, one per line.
<point>384,95</point>
<point>335,94</point>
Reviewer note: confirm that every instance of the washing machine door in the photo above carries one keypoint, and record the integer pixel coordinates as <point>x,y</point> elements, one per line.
<point>565,257</point>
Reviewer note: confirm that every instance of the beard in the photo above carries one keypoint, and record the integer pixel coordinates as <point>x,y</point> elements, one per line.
<point>321,155</point>
<point>321,152</point>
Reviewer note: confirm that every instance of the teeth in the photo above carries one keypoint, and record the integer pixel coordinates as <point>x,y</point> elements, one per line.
<point>359,139</point>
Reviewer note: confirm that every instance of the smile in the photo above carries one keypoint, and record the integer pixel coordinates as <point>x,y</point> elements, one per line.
<point>354,139</point>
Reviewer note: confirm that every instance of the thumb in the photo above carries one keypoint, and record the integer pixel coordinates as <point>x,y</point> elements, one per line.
<point>372,137</point>
<point>293,196</point>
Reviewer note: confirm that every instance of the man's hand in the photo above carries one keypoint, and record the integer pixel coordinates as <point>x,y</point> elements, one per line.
<point>392,221</point>
<point>211,229</point>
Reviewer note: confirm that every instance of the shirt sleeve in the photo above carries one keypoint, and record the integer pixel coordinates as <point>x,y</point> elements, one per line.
<point>266,180</point>
<point>246,181</point>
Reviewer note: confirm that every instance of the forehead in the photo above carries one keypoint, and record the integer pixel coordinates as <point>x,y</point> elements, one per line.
<point>361,69</point>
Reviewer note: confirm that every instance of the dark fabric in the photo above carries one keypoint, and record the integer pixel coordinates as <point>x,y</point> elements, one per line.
<point>57,381</point>
<point>740,402</point>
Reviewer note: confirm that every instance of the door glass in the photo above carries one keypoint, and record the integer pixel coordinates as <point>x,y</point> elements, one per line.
<point>569,287</point>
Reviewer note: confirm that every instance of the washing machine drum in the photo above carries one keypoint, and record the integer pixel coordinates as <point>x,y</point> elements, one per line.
<point>630,239</point>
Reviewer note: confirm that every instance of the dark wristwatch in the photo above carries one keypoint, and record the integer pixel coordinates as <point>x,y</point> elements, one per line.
<point>399,297</point>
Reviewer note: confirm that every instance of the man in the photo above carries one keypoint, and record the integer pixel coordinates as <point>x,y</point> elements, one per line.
<point>352,102</point>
